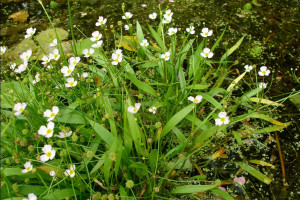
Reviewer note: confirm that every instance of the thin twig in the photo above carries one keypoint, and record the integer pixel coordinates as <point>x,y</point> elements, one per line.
<point>281,158</point>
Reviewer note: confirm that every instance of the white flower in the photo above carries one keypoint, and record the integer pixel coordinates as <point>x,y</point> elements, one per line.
<point>64,134</point>
<point>84,74</point>
<point>52,173</point>
<point>46,60</point>
<point>46,131</point>
<point>168,14</point>
<point>67,70</point>
<point>51,114</point>
<point>153,16</point>
<point>71,171</point>
<point>128,15</point>
<point>126,27</point>
<point>21,68</point>
<point>206,53</point>
<point>167,20</point>
<point>37,78</point>
<point>101,21</point>
<point>172,31</point>
<point>71,82</point>
<point>13,66</point>
<point>165,56</point>
<point>134,109</point>
<point>28,167</point>
<point>248,68</point>
<point>144,43</point>
<point>74,61</point>
<point>49,153</point>
<point>191,30</point>
<point>54,55</point>
<point>262,85</point>
<point>152,110</point>
<point>30,32</point>
<point>264,71</point>
<point>54,43</point>
<point>98,44</point>
<point>116,59</point>
<point>26,55</point>
<point>96,36</point>
<point>223,119</point>
<point>197,99</point>
<point>19,108</point>
<point>206,32</point>
<point>31,196</point>
<point>2,50</point>
<point>87,53</point>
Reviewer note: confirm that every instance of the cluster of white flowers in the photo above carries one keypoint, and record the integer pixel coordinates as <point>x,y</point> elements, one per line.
<point>264,71</point>
<point>25,57</point>
<point>167,17</point>
<point>67,71</point>
<point>117,57</point>
<point>37,78</point>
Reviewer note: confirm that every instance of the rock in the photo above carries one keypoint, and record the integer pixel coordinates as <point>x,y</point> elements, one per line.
<point>20,16</point>
<point>296,100</point>
<point>46,49</point>
<point>47,36</point>
<point>14,52</point>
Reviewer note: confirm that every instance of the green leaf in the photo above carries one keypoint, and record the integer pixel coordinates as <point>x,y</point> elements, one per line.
<point>36,189</point>
<point>218,40</point>
<point>102,132</point>
<point>191,189</point>
<point>198,86</point>
<point>211,100</point>
<point>153,159</point>
<point>73,117</point>
<point>60,194</point>
<point>201,177</point>
<point>142,86</point>
<point>176,119</point>
<point>237,137</point>
<point>254,172</point>
<point>222,193</point>
<point>179,134</point>
<point>139,165</point>
<point>157,38</point>
<point>232,49</point>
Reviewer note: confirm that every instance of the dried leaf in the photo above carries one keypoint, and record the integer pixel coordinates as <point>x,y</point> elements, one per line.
<point>20,16</point>
<point>128,42</point>
<point>265,101</point>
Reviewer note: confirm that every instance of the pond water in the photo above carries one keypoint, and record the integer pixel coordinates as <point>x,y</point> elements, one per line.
<point>271,30</point>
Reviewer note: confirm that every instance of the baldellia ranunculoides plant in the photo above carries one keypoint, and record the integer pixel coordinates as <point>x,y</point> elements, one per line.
<point>139,120</point>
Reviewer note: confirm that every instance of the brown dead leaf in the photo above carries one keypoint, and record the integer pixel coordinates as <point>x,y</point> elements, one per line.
<point>129,43</point>
<point>20,16</point>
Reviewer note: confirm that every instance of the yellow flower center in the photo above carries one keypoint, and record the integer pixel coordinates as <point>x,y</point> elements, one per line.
<point>74,63</point>
<point>206,34</point>
<point>135,109</point>
<point>71,171</point>
<point>97,37</point>
<point>206,54</point>
<point>69,71</point>
<point>49,131</point>
<point>48,154</point>
<point>28,168</point>
<point>264,72</point>
<point>71,83</point>
<point>88,54</point>
<point>2,52</point>
<point>52,114</point>
<point>195,100</point>
<point>21,109</point>
<point>222,119</point>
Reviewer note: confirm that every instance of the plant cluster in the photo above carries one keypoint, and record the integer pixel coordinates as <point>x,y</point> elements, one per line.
<point>126,123</point>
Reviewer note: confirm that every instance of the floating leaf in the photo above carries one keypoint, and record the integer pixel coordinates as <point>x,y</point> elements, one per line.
<point>260,162</point>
